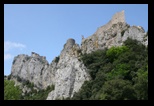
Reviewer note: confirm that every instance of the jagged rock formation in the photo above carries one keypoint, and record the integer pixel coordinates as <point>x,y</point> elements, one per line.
<point>66,72</point>
<point>32,68</point>
<point>70,73</point>
<point>114,33</point>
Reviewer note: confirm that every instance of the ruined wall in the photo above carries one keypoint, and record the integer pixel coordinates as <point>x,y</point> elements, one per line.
<point>117,17</point>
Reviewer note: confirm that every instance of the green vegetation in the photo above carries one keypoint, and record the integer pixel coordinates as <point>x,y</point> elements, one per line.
<point>38,95</point>
<point>11,92</point>
<point>122,33</point>
<point>114,52</point>
<point>119,73</point>
<point>9,77</point>
<point>57,59</point>
<point>19,79</point>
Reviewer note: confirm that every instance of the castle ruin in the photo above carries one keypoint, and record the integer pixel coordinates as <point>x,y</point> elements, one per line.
<point>117,17</point>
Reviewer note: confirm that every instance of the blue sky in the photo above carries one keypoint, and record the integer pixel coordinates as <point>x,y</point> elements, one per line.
<point>45,28</point>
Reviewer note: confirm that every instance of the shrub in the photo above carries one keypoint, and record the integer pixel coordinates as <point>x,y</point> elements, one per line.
<point>119,73</point>
<point>11,92</point>
<point>114,52</point>
<point>57,59</point>
<point>122,33</point>
<point>9,77</point>
<point>19,79</point>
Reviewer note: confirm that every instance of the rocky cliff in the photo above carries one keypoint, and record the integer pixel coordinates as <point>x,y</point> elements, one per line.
<point>70,73</point>
<point>114,33</point>
<point>33,68</point>
<point>66,72</point>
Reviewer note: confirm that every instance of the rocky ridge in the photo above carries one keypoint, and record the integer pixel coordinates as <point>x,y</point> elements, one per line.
<point>114,33</point>
<point>66,72</point>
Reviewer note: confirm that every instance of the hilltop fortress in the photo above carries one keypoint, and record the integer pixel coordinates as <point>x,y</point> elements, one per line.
<point>114,33</point>
<point>118,17</point>
<point>67,73</point>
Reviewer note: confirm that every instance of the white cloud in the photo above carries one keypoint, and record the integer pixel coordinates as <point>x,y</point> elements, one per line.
<point>7,56</point>
<point>10,45</point>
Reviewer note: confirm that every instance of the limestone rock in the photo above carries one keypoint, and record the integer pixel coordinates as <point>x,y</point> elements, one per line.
<point>32,68</point>
<point>48,77</point>
<point>134,33</point>
<point>70,73</point>
<point>114,33</point>
<point>66,72</point>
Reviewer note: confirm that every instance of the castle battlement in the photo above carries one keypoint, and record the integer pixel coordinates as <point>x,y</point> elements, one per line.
<point>116,18</point>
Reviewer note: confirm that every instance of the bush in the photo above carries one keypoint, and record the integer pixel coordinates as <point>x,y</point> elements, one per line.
<point>19,79</point>
<point>9,77</point>
<point>50,88</point>
<point>119,73</point>
<point>57,59</point>
<point>122,33</point>
<point>114,52</point>
<point>40,95</point>
<point>117,89</point>
<point>11,92</point>
<point>141,84</point>
<point>30,85</point>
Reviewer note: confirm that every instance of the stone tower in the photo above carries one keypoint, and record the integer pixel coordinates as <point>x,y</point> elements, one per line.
<point>67,47</point>
<point>70,43</point>
<point>118,17</point>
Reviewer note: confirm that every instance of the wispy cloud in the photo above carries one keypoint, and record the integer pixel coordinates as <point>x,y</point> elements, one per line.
<point>7,56</point>
<point>10,45</point>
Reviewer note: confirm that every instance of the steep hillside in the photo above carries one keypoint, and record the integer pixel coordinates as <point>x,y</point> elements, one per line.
<point>118,73</point>
<point>68,72</point>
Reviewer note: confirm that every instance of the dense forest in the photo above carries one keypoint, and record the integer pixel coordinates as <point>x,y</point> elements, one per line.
<point>118,73</point>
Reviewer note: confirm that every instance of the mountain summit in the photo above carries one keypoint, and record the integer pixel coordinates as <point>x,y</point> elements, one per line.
<point>67,72</point>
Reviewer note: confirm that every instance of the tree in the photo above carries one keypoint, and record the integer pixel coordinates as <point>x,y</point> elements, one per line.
<point>120,71</point>
<point>141,84</point>
<point>57,59</point>
<point>117,89</point>
<point>11,92</point>
<point>114,52</point>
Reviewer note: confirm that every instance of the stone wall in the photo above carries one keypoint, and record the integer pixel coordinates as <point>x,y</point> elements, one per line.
<point>114,33</point>
<point>118,17</point>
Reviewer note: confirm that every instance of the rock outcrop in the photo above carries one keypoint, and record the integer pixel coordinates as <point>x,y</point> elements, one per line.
<point>32,68</point>
<point>70,73</point>
<point>66,72</point>
<point>114,33</point>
